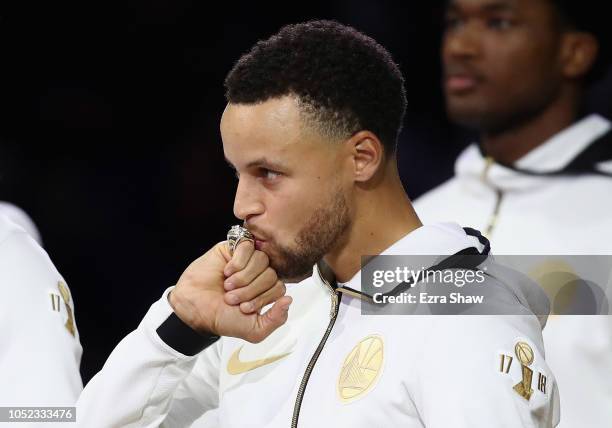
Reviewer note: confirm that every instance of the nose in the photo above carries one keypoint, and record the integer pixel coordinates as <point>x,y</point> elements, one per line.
<point>462,42</point>
<point>247,202</point>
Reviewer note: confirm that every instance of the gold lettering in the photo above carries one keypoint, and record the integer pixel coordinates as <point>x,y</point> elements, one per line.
<point>542,383</point>
<point>502,365</point>
<point>55,302</point>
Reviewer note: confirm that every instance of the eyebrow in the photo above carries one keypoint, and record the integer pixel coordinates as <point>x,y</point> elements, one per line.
<point>492,6</point>
<point>261,162</point>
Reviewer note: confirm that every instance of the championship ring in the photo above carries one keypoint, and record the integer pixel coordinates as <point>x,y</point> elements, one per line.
<point>236,235</point>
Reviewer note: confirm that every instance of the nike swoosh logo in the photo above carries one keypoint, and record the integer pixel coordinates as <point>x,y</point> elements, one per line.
<point>235,366</point>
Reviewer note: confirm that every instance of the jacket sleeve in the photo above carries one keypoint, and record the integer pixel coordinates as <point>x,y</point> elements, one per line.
<point>483,371</point>
<point>149,379</point>
<point>40,352</point>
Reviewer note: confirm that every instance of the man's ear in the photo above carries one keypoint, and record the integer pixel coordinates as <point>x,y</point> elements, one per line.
<point>579,52</point>
<point>368,155</point>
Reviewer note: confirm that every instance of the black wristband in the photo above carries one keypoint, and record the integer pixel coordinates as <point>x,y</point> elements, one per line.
<point>182,338</point>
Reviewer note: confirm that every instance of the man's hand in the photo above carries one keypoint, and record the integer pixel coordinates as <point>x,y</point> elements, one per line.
<point>223,295</point>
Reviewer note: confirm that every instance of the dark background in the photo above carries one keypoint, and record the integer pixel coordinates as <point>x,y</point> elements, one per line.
<point>109,134</point>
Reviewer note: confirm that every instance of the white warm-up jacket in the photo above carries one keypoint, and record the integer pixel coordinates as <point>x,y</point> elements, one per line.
<point>554,203</point>
<point>330,365</point>
<point>40,350</point>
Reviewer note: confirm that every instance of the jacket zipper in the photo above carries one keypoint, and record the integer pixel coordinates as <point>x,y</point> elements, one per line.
<point>335,296</point>
<point>499,195</point>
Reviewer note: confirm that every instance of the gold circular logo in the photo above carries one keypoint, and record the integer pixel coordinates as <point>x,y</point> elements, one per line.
<point>361,368</point>
<point>524,353</point>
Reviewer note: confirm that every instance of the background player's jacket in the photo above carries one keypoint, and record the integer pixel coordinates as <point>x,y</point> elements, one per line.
<point>329,365</point>
<point>20,218</point>
<point>40,350</point>
<point>566,213</point>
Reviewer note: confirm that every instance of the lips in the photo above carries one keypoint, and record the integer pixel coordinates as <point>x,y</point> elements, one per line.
<point>259,240</point>
<point>460,83</point>
<point>461,80</point>
<point>257,236</point>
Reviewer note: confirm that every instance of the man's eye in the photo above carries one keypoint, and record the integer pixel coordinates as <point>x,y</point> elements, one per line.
<point>452,22</point>
<point>269,174</point>
<point>499,23</point>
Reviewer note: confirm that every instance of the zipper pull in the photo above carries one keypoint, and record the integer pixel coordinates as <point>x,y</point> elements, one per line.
<point>488,162</point>
<point>335,303</point>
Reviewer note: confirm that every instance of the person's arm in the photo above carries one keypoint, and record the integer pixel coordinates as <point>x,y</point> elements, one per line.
<point>484,371</point>
<point>143,381</point>
<point>194,404</point>
<point>40,352</point>
<point>148,380</point>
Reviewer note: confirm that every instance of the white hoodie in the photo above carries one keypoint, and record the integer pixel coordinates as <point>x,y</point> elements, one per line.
<point>329,365</point>
<point>546,216</point>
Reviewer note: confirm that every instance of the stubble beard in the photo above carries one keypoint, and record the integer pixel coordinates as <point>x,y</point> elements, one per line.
<point>317,237</point>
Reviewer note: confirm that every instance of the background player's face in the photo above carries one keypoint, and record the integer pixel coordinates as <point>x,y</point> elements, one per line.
<point>290,188</point>
<point>501,61</point>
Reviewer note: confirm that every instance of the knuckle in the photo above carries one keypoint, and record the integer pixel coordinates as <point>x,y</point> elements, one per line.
<point>231,265</point>
<point>187,279</point>
<point>248,292</point>
<point>238,279</point>
<point>261,258</point>
<point>228,298</point>
<point>260,301</point>
<point>257,299</point>
<point>242,253</point>
<point>237,263</point>
<point>276,293</point>
<point>270,276</point>
<point>241,294</point>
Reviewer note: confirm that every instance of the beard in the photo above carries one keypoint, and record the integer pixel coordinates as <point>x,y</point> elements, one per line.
<point>317,237</point>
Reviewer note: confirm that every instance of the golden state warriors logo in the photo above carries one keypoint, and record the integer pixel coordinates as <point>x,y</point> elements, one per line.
<point>361,369</point>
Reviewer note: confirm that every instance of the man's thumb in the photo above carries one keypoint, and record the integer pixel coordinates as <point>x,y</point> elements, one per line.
<point>273,318</point>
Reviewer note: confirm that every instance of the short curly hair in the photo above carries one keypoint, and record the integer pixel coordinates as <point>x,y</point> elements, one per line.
<point>344,81</point>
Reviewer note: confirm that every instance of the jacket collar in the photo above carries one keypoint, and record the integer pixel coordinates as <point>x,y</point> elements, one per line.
<point>430,242</point>
<point>554,155</point>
